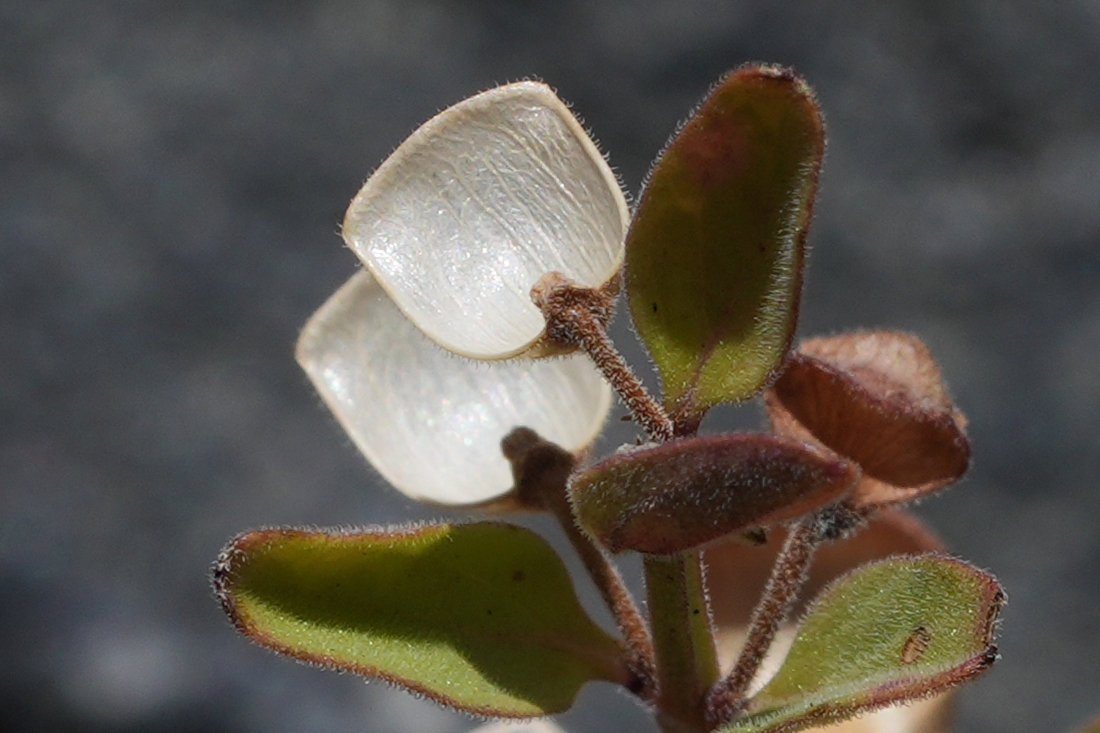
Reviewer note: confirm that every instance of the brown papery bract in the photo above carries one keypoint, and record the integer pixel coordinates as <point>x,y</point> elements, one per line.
<point>877,398</point>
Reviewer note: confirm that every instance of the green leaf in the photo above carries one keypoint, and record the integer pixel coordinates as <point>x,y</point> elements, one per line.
<point>482,617</point>
<point>714,254</point>
<point>891,631</point>
<point>682,494</point>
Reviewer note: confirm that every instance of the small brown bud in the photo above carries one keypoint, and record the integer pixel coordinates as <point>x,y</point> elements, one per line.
<point>540,469</point>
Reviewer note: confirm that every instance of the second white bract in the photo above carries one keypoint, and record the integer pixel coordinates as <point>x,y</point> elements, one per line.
<point>477,205</point>
<point>429,421</point>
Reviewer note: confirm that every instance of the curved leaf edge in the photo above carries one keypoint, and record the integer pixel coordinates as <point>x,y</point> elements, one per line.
<point>945,424</point>
<point>890,693</point>
<point>686,411</point>
<point>884,696</point>
<point>232,554</point>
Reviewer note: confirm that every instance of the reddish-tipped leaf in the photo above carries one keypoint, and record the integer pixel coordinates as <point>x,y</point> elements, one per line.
<point>714,253</point>
<point>679,495</point>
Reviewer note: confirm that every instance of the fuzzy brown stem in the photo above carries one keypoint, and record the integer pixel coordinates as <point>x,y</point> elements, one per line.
<point>727,699</point>
<point>541,471</point>
<point>635,632</point>
<point>577,316</point>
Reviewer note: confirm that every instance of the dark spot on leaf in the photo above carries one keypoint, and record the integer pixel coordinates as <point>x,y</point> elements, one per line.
<point>755,536</point>
<point>654,307</point>
<point>915,645</point>
<point>518,576</point>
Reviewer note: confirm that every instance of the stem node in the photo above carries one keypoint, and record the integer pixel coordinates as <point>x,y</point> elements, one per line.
<point>578,316</point>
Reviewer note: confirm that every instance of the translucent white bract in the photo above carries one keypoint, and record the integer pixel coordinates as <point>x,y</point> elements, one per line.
<point>478,204</point>
<point>429,421</point>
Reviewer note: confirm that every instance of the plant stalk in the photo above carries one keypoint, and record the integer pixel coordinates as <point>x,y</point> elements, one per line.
<point>578,316</point>
<point>683,639</point>
<point>728,698</point>
<point>541,472</point>
<point>631,624</point>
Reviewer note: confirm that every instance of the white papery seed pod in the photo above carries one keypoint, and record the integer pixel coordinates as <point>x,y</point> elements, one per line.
<point>477,205</point>
<point>429,421</point>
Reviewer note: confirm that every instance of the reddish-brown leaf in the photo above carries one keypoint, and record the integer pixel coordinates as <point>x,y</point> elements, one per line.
<point>877,398</point>
<point>682,494</point>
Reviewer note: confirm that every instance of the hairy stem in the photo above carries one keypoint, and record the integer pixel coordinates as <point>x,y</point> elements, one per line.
<point>683,639</point>
<point>541,472</point>
<point>577,316</point>
<point>728,698</point>
<point>639,645</point>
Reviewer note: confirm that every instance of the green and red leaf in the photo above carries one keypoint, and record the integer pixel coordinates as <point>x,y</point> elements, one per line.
<point>893,631</point>
<point>482,617</point>
<point>714,253</point>
<point>685,493</point>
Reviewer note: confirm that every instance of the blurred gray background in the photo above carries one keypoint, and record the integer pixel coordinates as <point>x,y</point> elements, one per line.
<point>172,177</point>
